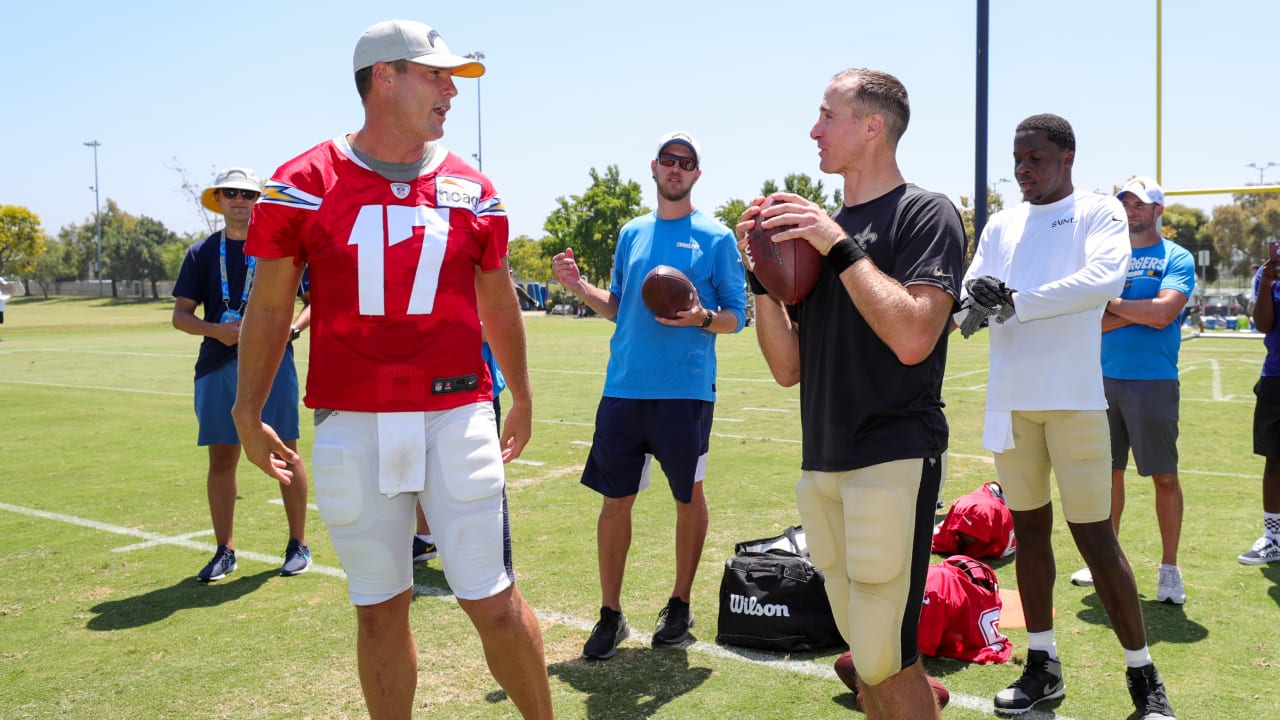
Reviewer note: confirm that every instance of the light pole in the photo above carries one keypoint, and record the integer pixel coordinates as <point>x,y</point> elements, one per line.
<point>97,214</point>
<point>1261,169</point>
<point>478,56</point>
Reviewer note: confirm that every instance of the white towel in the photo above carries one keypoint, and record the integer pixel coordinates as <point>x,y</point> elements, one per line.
<point>997,431</point>
<point>402,452</point>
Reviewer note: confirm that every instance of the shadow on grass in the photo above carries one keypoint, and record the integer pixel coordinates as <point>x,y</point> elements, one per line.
<point>185,594</point>
<point>633,684</point>
<point>1272,573</point>
<point>1164,622</point>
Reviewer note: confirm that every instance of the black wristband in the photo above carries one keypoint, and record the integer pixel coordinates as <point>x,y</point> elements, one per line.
<point>844,253</point>
<point>754,283</point>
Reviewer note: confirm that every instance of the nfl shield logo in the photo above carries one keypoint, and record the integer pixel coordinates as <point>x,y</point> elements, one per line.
<point>400,190</point>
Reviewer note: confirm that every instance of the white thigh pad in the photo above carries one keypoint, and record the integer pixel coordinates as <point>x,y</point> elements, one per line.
<point>464,454</point>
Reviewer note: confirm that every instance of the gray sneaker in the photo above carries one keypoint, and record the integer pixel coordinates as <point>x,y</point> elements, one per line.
<point>1169,588</point>
<point>297,559</point>
<point>1146,689</point>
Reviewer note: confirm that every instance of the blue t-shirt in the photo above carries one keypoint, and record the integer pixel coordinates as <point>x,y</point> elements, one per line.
<point>648,360</point>
<point>1139,352</point>
<point>1271,364</point>
<point>495,373</point>
<point>200,279</point>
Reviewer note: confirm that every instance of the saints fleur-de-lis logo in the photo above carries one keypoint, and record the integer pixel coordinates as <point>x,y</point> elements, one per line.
<point>865,238</point>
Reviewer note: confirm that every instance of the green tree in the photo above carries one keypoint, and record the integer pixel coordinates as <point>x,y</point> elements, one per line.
<point>1186,226</point>
<point>22,240</point>
<point>995,203</point>
<point>730,211</point>
<point>589,223</point>
<point>133,251</point>
<point>527,259</point>
<point>796,183</point>
<point>58,262</point>
<point>1240,231</point>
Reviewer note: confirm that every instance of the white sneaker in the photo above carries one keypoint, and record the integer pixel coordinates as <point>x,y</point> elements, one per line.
<point>1169,588</point>
<point>1082,577</point>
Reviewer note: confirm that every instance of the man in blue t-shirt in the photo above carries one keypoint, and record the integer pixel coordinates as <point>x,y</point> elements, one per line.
<point>1140,342</point>
<point>660,386</point>
<point>216,274</point>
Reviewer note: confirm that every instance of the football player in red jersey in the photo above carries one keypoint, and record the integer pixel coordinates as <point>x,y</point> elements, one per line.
<point>406,246</point>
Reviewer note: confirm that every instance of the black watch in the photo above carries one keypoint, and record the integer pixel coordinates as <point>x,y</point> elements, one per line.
<point>294,332</point>
<point>706,322</point>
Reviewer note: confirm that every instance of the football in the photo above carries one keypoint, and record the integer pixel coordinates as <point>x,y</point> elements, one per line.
<point>789,269</point>
<point>849,676</point>
<point>667,291</point>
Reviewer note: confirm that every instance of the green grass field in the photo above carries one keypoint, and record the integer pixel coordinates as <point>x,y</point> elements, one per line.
<point>103,525</point>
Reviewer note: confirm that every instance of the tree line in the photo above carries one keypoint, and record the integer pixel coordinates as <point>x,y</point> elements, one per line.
<point>140,248</point>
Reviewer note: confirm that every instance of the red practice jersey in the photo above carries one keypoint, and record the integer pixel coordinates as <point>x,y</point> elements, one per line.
<point>978,525</point>
<point>394,326</point>
<point>960,616</point>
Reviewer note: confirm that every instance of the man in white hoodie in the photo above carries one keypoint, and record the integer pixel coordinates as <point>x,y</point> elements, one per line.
<point>1066,253</point>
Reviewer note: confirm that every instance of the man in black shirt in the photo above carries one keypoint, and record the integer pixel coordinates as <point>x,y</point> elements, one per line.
<point>868,347</point>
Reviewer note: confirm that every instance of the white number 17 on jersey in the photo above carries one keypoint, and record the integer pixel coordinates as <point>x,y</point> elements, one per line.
<point>367,235</point>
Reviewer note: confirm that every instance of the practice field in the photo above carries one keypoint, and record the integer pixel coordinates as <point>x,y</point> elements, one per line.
<point>103,525</point>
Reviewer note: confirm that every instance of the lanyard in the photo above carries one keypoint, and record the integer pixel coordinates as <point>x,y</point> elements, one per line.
<point>250,261</point>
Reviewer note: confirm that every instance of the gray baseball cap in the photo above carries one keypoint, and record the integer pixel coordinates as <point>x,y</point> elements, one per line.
<point>410,40</point>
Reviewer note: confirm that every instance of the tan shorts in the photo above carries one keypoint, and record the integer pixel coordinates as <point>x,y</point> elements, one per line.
<point>1076,445</point>
<point>869,532</point>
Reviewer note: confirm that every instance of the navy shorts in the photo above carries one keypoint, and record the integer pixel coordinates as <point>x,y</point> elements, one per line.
<point>216,393</point>
<point>628,432</point>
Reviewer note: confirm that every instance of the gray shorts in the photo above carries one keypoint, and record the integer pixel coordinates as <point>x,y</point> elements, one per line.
<point>1143,415</point>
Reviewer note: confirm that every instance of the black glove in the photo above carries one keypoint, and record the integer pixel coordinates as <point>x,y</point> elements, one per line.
<point>976,318</point>
<point>990,292</point>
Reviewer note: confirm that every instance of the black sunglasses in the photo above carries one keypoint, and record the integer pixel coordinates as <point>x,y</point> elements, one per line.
<point>687,164</point>
<point>231,193</point>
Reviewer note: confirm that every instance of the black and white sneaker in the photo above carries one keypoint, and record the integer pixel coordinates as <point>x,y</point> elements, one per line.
<point>605,636</point>
<point>1041,680</point>
<point>674,622</point>
<point>1147,690</point>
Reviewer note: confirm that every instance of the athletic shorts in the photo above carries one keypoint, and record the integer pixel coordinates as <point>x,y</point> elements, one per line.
<point>1076,445</point>
<point>629,433</point>
<point>216,393</point>
<point>870,532</point>
<point>464,500</point>
<point>1143,415</point>
<point>1266,418</point>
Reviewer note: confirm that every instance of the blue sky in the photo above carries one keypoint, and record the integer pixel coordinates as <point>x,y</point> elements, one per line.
<point>575,85</point>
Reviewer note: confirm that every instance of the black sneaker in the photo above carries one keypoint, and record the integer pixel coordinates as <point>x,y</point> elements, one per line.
<point>297,559</point>
<point>605,636</point>
<point>1041,680</point>
<point>674,622</point>
<point>223,562</point>
<point>423,550</point>
<point>1147,690</point>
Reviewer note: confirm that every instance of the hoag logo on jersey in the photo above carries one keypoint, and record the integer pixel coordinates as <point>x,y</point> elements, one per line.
<point>456,192</point>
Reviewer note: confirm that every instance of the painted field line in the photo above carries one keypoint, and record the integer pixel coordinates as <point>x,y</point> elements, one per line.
<point>766,410</point>
<point>802,667</point>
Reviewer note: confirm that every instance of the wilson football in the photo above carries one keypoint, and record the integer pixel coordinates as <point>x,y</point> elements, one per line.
<point>667,291</point>
<point>789,269</point>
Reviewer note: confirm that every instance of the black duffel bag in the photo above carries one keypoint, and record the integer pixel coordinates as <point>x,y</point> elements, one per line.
<point>772,598</point>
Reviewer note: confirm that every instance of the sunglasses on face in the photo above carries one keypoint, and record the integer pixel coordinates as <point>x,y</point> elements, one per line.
<point>687,164</point>
<point>231,193</point>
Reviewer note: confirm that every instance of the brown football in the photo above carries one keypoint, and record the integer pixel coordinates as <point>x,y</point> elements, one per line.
<point>789,269</point>
<point>667,291</point>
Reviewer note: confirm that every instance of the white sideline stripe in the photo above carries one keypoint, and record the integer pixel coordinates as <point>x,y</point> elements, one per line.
<point>156,538</point>
<point>802,667</point>
<point>153,543</point>
<point>277,501</point>
<point>94,387</point>
<point>586,443</point>
<point>768,410</point>
<point>534,463</point>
